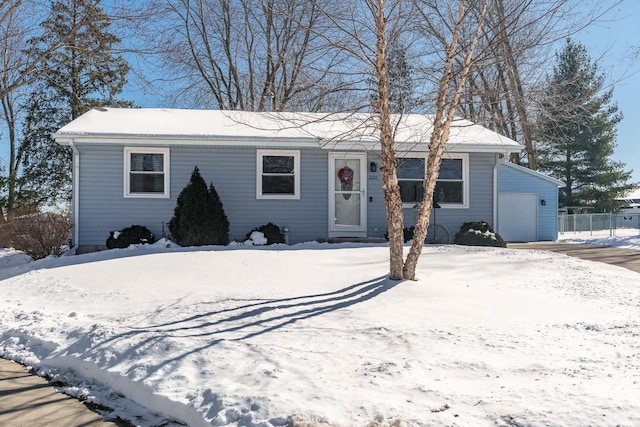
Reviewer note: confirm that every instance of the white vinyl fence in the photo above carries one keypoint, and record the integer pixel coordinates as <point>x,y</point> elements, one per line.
<point>615,223</point>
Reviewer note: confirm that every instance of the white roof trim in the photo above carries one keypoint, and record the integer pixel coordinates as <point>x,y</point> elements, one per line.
<point>534,173</point>
<point>186,140</point>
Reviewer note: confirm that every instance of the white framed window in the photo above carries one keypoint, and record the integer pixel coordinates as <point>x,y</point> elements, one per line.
<point>278,174</point>
<point>452,188</point>
<point>146,172</point>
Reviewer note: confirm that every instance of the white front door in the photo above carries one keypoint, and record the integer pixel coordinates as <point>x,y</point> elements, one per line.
<point>347,195</point>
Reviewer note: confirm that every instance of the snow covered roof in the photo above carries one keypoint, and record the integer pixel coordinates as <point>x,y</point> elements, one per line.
<point>216,127</point>
<point>633,195</point>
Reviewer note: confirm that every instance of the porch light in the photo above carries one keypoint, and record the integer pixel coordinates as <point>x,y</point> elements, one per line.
<point>373,167</point>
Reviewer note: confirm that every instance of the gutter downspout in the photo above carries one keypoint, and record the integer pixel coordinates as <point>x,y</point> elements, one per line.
<point>499,161</point>
<point>75,193</point>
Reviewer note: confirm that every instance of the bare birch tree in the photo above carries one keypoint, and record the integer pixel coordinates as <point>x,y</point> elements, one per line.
<point>448,97</point>
<point>447,102</point>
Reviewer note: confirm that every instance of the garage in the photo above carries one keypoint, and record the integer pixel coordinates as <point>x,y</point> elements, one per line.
<point>518,216</point>
<point>526,205</point>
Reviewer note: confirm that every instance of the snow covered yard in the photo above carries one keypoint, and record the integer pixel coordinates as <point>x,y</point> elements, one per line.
<point>314,333</point>
<point>627,238</point>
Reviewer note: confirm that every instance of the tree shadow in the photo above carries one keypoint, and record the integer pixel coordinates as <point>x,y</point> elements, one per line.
<point>245,321</point>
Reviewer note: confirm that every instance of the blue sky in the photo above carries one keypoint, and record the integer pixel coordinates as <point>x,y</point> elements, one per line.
<point>612,43</point>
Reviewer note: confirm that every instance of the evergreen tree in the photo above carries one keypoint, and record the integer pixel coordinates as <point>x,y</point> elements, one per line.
<point>402,99</point>
<point>199,218</point>
<point>577,131</point>
<point>83,74</point>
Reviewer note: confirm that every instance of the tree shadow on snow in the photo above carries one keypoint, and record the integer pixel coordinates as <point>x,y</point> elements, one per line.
<point>245,321</point>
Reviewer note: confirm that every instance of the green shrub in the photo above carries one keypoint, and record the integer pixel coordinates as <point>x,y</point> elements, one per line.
<point>478,233</point>
<point>199,218</point>
<point>134,235</point>
<point>271,232</point>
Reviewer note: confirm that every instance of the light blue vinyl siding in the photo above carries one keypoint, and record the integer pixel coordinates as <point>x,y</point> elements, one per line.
<point>103,207</point>
<point>512,180</point>
<point>233,173</point>
<point>376,213</point>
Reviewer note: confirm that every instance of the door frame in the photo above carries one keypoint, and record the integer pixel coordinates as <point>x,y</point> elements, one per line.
<point>347,231</point>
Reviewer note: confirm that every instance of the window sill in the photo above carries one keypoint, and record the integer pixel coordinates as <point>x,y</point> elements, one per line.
<point>442,206</point>
<point>277,197</point>
<point>146,196</point>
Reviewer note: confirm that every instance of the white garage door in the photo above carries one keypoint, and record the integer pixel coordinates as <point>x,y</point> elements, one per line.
<point>517,217</point>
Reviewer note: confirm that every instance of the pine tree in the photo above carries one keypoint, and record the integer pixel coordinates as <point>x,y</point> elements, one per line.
<point>83,74</point>
<point>199,218</point>
<point>402,99</point>
<point>577,131</point>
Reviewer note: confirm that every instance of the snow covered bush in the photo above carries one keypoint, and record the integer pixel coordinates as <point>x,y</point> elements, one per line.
<point>199,218</point>
<point>270,231</point>
<point>478,233</point>
<point>38,234</point>
<point>134,235</point>
<point>256,238</point>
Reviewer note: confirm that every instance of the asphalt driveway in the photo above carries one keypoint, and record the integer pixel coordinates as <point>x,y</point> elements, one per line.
<point>627,258</point>
<point>28,400</point>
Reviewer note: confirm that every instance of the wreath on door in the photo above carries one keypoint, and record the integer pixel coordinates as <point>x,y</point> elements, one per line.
<point>345,175</point>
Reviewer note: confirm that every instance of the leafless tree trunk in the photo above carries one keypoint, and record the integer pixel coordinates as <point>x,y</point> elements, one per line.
<point>391,188</point>
<point>445,108</point>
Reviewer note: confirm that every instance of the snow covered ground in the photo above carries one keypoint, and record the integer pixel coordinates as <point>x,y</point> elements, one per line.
<point>314,334</point>
<point>628,238</point>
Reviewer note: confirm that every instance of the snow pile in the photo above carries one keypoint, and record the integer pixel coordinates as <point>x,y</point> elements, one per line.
<point>485,234</point>
<point>12,258</point>
<point>315,333</point>
<point>256,239</point>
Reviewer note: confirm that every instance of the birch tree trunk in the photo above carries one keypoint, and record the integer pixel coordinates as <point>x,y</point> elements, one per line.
<point>391,188</point>
<point>443,117</point>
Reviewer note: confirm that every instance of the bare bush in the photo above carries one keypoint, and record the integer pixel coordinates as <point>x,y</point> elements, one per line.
<point>36,234</point>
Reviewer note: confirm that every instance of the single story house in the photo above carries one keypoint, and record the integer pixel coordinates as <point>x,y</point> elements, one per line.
<point>317,174</point>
